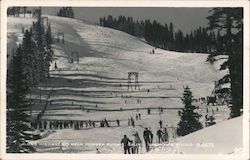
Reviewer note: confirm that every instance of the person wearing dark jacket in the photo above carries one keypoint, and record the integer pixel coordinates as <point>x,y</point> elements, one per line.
<point>147,135</point>
<point>159,134</point>
<point>125,142</point>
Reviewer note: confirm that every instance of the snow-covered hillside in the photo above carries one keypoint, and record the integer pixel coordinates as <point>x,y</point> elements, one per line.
<point>99,81</point>
<point>217,139</point>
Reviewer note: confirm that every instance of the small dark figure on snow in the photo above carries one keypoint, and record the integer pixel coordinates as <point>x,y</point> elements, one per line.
<point>133,122</point>
<point>106,122</point>
<point>148,111</point>
<point>128,122</point>
<point>139,115</point>
<point>102,123</point>
<point>126,146</point>
<point>160,122</point>
<point>55,65</point>
<point>147,136</point>
<point>165,135</point>
<point>179,113</point>
<point>159,134</point>
<point>118,122</point>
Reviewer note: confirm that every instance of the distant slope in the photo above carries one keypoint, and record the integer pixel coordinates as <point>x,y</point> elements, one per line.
<point>106,57</point>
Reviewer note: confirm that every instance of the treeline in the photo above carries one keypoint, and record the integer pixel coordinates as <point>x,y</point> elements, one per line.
<point>229,24</point>
<point>16,11</point>
<point>66,12</point>
<point>164,36</point>
<point>29,65</point>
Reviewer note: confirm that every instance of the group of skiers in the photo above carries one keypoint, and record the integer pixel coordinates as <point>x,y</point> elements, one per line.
<point>152,52</point>
<point>105,123</point>
<point>131,122</point>
<point>57,124</point>
<point>63,124</point>
<point>133,145</point>
<point>162,135</point>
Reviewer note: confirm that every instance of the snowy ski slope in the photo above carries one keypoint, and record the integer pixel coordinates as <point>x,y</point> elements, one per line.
<point>99,82</point>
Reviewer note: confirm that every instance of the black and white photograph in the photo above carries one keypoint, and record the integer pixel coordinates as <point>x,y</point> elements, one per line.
<point>139,80</point>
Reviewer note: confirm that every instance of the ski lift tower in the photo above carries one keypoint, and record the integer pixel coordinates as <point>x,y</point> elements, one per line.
<point>136,82</point>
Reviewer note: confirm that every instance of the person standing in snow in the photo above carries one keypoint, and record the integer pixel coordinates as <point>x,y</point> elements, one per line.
<point>126,146</point>
<point>148,111</point>
<point>159,134</point>
<point>133,122</point>
<point>165,135</point>
<point>55,65</point>
<point>146,136</point>
<point>136,142</point>
<point>160,122</point>
<point>151,136</point>
<point>128,122</point>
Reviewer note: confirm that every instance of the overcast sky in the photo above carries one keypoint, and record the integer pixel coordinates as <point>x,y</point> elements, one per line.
<point>185,19</point>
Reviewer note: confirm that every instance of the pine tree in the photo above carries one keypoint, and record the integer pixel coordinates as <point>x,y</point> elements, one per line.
<point>17,119</point>
<point>189,118</point>
<point>229,21</point>
<point>29,59</point>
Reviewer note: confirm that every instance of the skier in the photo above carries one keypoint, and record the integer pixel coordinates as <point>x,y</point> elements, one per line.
<point>118,122</point>
<point>148,111</point>
<point>55,66</point>
<point>128,122</point>
<point>139,115</point>
<point>93,124</point>
<point>135,143</point>
<point>179,113</point>
<point>106,122</point>
<point>159,134</point>
<point>125,142</point>
<point>160,122</point>
<point>151,136</point>
<point>133,122</point>
<point>146,136</point>
<point>165,135</point>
